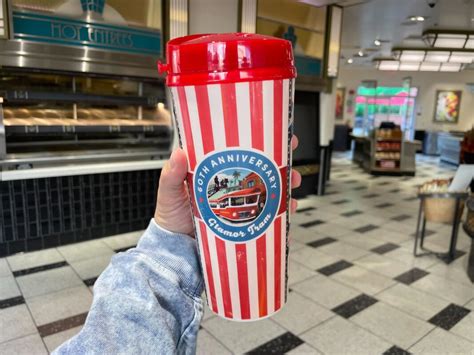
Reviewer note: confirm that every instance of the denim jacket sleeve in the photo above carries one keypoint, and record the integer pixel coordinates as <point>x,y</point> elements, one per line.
<point>147,301</point>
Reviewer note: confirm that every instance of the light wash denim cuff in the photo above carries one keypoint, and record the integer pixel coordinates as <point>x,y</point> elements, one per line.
<point>175,252</point>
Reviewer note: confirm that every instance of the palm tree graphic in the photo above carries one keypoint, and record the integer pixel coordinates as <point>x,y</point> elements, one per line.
<point>236,174</point>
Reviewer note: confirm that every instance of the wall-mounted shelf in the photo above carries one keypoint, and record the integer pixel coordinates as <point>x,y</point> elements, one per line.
<point>28,96</point>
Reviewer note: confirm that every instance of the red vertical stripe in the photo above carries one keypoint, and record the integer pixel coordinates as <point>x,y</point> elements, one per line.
<point>183,104</point>
<point>207,259</point>
<point>224,276</point>
<point>284,190</point>
<point>195,210</point>
<point>277,248</point>
<point>229,108</point>
<point>278,121</point>
<point>262,275</point>
<point>241,256</point>
<point>204,111</point>
<point>256,112</point>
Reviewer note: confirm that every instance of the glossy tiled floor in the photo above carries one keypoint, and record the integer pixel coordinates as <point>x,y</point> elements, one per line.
<point>355,287</point>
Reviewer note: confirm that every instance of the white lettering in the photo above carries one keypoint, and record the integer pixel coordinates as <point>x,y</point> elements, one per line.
<point>69,32</point>
<point>55,29</point>
<point>253,228</point>
<point>214,225</point>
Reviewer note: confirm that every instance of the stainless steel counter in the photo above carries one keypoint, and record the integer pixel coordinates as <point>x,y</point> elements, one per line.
<point>86,169</point>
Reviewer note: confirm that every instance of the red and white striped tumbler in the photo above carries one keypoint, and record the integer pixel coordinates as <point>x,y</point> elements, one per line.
<point>233,105</point>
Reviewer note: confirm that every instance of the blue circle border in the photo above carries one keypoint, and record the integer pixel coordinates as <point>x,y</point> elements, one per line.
<point>202,202</point>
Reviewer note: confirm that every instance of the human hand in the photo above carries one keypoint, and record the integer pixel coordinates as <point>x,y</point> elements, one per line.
<point>173,211</point>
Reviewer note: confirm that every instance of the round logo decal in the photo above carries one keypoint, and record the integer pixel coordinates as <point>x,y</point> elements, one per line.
<point>237,193</point>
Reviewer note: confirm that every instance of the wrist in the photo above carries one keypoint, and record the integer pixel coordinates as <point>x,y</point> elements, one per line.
<point>175,252</point>
<point>174,224</point>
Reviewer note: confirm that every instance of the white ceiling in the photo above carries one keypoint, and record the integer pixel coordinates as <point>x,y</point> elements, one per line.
<point>387,20</point>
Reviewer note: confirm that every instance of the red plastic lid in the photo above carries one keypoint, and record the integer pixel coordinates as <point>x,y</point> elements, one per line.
<point>228,57</point>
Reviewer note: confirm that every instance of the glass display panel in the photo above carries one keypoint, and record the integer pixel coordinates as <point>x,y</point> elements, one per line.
<point>120,12</point>
<point>375,105</point>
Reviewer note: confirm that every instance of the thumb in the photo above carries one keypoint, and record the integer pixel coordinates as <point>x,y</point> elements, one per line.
<point>174,173</point>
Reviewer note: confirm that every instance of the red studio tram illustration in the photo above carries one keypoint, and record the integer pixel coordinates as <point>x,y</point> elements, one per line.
<point>237,195</point>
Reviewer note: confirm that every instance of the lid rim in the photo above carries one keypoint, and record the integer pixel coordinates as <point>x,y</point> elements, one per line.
<point>234,76</point>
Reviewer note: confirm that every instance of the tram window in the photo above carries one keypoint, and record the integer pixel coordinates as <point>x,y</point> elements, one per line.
<point>252,199</point>
<point>224,203</point>
<point>237,201</point>
<point>213,205</point>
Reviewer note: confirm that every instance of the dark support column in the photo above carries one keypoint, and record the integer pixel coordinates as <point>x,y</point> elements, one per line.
<point>324,167</point>
<point>328,161</point>
<point>470,264</point>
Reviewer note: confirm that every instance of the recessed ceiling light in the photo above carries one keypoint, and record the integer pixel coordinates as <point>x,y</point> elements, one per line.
<point>409,66</point>
<point>450,67</point>
<point>377,42</point>
<point>388,65</point>
<point>360,54</point>
<point>409,55</point>
<point>416,18</point>
<point>430,66</point>
<point>350,61</point>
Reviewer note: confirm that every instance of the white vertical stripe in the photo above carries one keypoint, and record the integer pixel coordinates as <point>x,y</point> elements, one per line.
<point>217,116</point>
<point>179,117</point>
<point>195,122</point>
<point>283,258</point>
<point>285,112</point>
<point>270,244</point>
<point>268,143</point>
<point>268,119</point>
<point>215,271</point>
<point>242,93</point>
<point>292,98</point>
<point>203,261</point>
<point>233,280</point>
<point>177,109</point>
<point>253,279</point>
<point>286,122</point>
